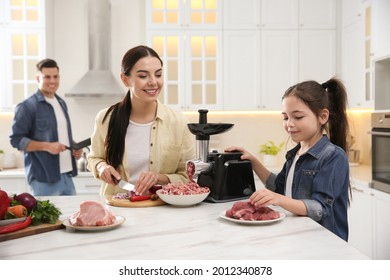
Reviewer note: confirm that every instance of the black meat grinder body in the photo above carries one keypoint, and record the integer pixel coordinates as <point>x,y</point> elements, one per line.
<point>227,176</point>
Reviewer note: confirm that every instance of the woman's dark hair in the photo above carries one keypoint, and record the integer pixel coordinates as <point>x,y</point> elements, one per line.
<point>330,95</point>
<point>120,112</point>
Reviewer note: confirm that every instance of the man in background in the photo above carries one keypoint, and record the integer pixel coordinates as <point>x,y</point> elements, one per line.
<point>41,128</point>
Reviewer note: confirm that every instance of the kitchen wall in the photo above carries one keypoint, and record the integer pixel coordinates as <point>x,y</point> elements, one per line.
<point>69,32</point>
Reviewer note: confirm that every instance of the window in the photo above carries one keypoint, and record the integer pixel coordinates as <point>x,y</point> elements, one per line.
<point>22,33</point>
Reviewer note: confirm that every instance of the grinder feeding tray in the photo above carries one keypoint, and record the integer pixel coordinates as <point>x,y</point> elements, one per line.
<point>228,177</point>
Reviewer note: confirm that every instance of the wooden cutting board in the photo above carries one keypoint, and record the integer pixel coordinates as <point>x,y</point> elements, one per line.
<point>127,203</point>
<point>30,230</point>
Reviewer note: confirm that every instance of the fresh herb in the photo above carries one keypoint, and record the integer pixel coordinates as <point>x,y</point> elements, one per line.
<point>45,213</point>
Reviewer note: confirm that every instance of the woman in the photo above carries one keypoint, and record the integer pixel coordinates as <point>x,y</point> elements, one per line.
<point>314,181</point>
<point>140,140</point>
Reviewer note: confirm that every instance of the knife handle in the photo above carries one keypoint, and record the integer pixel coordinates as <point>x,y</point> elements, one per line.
<point>116,181</point>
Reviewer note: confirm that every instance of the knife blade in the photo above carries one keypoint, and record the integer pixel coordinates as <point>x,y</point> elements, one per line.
<point>123,184</point>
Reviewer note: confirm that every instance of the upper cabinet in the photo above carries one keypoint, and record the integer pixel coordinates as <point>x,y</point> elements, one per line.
<point>285,46</point>
<point>240,55</point>
<point>380,29</point>
<point>356,52</point>
<point>177,14</point>
<point>187,36</point>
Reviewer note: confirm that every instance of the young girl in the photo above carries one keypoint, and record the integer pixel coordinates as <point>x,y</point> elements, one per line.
<point>139,139</point>
<point>314,181</point>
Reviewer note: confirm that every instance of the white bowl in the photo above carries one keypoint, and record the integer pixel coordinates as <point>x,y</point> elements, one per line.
<point>182,200</point>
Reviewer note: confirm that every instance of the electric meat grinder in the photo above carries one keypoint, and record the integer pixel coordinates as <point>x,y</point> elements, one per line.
<point>228,177</point>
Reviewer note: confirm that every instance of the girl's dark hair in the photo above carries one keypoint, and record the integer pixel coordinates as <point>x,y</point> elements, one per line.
<point>120,112</point>
<point>330,95</point>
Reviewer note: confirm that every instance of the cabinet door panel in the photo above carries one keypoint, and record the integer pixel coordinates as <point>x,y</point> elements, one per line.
<point>279,66</point>
<point>273,16</point>
<point>317,14</point>
<point>317,55</point>
<point>360,220</point>
<point>248,17</point>
<point>241,70</point>
<point>382,225</point>
<point>352,53</point>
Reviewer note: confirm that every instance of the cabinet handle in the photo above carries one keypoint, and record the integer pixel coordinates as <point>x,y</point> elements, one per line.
<point>92,186</point>
<point>356,189</point>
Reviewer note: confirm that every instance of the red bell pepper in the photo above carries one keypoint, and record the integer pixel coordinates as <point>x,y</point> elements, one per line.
<point>139,198</point>
<point>5,202</point>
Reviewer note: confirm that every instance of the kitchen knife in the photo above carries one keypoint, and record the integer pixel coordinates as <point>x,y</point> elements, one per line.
<point>80,145</point>
<point>123,184</point>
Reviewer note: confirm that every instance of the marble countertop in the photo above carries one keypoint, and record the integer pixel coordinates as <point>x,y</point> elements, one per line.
<point>168,232</point>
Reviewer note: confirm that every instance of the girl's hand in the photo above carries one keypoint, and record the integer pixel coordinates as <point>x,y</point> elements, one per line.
<point>265,197</point>
<point>245,153</point>
<point>146,180</point>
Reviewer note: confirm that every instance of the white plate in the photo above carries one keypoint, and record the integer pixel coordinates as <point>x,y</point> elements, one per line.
<point>261,222</point>
<point>118,221</point>
<point>11,221</point>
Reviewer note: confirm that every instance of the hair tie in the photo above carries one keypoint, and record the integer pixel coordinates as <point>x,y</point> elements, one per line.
<point>325,85</point>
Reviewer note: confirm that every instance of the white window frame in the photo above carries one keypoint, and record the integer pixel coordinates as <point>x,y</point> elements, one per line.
<point>7,29</point>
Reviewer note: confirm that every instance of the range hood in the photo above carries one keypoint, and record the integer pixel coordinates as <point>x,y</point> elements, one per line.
<point>99,80</point>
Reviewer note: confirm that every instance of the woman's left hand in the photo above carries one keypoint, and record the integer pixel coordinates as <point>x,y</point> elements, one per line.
<point>146,180</point>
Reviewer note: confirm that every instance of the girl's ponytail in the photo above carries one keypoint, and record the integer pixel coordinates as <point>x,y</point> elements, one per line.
<point>338,121</point>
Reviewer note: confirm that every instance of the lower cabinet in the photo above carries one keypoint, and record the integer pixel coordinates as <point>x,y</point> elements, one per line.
<point>369,227</point>
<point>361,224</point>
<point>86,184</point>
<point>381,217</point>
<point>14,185</point>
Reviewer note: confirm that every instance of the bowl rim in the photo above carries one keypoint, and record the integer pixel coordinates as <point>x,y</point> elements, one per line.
<point>187,195</point>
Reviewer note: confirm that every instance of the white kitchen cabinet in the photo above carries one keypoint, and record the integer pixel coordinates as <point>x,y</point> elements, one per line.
<point>360,218</point>
<point>380,25</point>
<point>187,36</point>
<point>241,87</point>
<point>178,14</point>
<point>248,18</point>
<point>351,11</point>
<point>317,14</point>
<point>279,65</point>
<point>352,65</point>
<point>279,14</point>
<point>356,53</point>
<point>85,183</point>
<point>317,55</point>
<point>292,56</point>
<point>381,217</point>
<point>14,185</point>
<point>262,50</point>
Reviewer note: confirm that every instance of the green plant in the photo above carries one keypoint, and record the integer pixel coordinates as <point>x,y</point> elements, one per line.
<point>270,148</point>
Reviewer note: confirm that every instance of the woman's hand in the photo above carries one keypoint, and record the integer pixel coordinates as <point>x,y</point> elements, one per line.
<point>107,172</point>
<point>265,197</point>
<point>146,180</point>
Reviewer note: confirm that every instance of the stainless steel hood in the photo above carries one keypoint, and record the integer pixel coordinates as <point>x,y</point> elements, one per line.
<point>99,80</point>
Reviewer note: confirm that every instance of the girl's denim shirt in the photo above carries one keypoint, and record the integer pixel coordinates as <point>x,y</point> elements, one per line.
<point>35,120</point>
<point>321,181</point>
